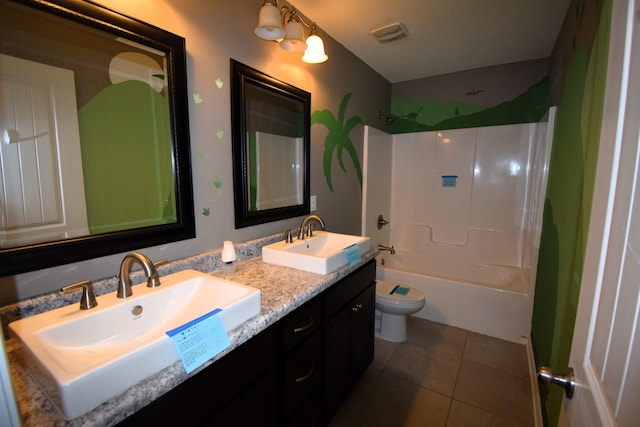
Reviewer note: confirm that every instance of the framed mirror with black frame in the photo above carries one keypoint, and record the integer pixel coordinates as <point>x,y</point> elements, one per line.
<point>94,148</point>
<point>270,146</point>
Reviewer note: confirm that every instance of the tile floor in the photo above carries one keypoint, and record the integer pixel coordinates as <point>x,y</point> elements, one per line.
<point>442,376</point>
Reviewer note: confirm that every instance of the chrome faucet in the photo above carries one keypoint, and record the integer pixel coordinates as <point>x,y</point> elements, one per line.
<point>391,249</point>
<point>307,226</point>
<point>124,282</point>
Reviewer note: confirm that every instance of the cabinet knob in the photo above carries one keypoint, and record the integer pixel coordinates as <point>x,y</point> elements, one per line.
<point>357,307</point>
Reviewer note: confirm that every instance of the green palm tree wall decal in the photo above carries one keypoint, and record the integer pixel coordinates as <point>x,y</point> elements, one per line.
<point>338,139</point>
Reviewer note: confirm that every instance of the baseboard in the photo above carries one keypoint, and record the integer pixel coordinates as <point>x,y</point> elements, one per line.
<point>535,391</point>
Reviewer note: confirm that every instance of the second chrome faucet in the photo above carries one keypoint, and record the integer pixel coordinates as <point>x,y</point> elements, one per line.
<point>124,280</point>
<point>305,227</point>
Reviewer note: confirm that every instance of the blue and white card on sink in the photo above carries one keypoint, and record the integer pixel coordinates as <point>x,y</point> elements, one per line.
<point>199,340</point>
<point>353,255</point>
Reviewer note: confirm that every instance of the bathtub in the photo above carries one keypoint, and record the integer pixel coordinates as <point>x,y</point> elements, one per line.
<point>492,300</point>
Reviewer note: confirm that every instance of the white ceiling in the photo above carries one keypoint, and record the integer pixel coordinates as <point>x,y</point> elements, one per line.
<point>445,36</point>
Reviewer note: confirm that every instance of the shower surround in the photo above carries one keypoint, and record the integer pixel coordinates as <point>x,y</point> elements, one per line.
<point>465,209</point>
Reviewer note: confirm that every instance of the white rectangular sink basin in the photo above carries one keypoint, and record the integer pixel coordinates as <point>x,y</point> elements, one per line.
<point>85,357</point>
<point>322,254</point>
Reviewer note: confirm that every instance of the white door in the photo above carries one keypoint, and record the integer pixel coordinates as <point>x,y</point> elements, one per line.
<point>41,184</point>
<point>606,344</point>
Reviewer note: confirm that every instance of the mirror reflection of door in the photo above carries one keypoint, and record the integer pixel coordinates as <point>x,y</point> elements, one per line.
<point>42,195</point>
<point>279,168</point>
<point>275,129</point>
<point>271,142</point>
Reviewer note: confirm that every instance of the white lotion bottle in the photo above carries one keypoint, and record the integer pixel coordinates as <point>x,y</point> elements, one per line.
<point>228,257</point>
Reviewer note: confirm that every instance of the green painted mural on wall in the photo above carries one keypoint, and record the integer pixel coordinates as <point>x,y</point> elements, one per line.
<point>430,115</point>
<point>126,153</point>
<point>338,139</point>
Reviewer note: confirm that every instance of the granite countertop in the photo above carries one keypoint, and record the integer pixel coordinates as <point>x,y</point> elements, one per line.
<point>283,290</point>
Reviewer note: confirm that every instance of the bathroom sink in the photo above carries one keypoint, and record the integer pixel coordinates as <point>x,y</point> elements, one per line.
<point>85,357</point>
<point>322,254</point>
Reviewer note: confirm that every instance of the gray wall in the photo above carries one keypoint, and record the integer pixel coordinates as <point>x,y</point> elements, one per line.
<point>214,33</point>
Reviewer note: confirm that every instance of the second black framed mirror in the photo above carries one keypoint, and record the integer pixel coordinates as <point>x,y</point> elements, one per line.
<point>271,147</point>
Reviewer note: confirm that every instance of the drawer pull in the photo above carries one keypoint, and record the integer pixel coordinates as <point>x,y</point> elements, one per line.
<point>304,327</point>
<point>307,376</point>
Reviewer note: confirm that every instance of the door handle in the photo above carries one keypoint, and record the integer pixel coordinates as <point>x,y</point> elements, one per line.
<point>12,136</point>
<point>567,382</point>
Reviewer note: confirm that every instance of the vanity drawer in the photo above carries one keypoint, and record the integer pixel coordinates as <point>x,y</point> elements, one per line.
<point>301,323</point>
<point>302,372</point>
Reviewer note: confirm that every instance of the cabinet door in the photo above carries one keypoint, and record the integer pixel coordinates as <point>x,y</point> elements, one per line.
<point>309,414</point>
<point>361,331</point>
<point>256,406</point>
<point>214,389</point>
<point>336,362</point>
<point>349,348</point>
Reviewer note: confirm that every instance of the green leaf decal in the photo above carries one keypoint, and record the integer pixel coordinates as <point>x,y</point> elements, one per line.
<point>338,139</point>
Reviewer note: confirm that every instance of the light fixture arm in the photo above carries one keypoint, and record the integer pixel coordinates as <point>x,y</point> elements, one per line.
<point>293,14</point>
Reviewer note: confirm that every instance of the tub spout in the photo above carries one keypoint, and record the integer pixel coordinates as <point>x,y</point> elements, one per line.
<point>391,249</point>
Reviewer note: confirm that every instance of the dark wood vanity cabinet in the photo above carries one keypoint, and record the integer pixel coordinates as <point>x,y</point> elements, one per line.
<point>349,333</point>
<point>301,365</point>
<point>219,395</point>
<point>295,373</point>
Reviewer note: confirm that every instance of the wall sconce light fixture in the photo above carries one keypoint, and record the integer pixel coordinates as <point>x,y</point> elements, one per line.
<point>290,34</point>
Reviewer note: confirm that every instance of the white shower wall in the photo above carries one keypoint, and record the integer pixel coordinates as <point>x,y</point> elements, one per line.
<point>458,198</point>
<point>465,217</point>
<point>376,190</point>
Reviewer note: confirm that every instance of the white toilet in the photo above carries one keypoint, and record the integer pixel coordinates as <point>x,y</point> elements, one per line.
<point>394,302</point>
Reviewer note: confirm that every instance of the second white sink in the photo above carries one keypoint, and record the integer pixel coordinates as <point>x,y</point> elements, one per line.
<point>322,254</point>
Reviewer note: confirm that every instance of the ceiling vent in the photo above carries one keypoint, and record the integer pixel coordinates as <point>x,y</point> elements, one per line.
<point>391,32</point>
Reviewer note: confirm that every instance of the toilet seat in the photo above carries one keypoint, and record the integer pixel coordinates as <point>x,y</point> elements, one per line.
<point>383,292</point>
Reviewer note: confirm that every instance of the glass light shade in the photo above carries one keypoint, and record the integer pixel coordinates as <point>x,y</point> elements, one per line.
<point>294,39</point>
<point>315,50</point>
<point>269,23</point>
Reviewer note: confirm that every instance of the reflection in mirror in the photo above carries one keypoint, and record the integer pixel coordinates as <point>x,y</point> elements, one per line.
<point>94,142</point>
<point>271,143</point>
